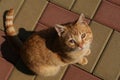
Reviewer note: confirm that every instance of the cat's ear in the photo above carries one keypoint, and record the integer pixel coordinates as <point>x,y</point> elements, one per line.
<point>81,19</point>
<point>60,29</point>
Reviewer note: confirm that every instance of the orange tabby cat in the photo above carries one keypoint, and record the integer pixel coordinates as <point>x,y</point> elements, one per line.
<point>70,45</point>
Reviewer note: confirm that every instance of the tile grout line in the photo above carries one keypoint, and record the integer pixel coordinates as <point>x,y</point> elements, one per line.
<point>86,71</point>
<point>41,16</point>
<point>19,9</point>
<point>99,5</point>
<point>73,6</point>
<point>96,9</point>
<point>65,72</point>
<point>113,3</point>
<point>105,46</point>
<point>73,3</point>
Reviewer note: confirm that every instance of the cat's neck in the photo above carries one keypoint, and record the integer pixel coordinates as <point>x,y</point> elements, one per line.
<point>56,46</point>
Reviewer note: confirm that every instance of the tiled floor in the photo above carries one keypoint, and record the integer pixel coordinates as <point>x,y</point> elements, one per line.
<point>34,15</point>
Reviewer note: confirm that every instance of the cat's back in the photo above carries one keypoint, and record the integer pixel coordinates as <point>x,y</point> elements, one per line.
<point>35,43</point>
<point>35,51</point>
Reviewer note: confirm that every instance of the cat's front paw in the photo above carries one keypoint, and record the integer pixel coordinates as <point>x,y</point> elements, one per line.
<point>83,61</point>
<point>88,52</point>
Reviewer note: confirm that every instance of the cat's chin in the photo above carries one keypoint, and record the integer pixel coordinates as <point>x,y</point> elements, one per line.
<point>80,48</point>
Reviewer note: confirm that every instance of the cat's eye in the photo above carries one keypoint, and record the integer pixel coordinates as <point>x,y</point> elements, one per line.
<point>83,35</point>
<point>71,41</point>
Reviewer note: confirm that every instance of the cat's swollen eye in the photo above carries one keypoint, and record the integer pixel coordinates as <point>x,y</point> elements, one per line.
<point>83,35</point>
<point>72,41</point>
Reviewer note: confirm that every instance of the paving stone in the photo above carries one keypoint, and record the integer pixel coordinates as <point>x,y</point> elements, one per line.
<point>29,14</point>
<point>21,72</point>
<point>101,35</point>
<point>88,7</point>
<point>115,1</point>
<point>109,15</point>
<point>64,3</point>
<point>5,69</point>
<point>56,77</point>
<point>74,73</point>
<point>108,67</point>
<point>5,5</point>
<point>57,15</point>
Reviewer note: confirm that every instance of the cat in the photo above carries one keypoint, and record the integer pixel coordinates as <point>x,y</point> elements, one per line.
<point>71,44</point>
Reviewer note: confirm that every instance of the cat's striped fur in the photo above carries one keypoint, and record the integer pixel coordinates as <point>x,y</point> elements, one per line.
<point>10,30</point>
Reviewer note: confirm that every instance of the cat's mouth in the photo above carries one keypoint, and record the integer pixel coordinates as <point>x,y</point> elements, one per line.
<point>80,48</point>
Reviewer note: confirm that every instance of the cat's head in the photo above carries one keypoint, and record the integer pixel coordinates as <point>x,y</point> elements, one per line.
<point>75,36</point>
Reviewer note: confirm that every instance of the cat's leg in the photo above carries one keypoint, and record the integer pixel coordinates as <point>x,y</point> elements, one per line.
<point>88,52</point>
<point>83,61</point>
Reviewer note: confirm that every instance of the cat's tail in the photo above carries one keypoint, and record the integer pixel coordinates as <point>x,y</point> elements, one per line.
<point>10,29</point>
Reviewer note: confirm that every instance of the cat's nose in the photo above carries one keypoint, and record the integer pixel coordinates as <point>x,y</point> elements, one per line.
<point>81,46</point>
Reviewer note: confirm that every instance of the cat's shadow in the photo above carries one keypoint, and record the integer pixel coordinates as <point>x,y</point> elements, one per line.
<point>11,52</point>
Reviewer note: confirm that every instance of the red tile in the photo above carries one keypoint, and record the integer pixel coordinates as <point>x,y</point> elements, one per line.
<point>109,15</point>
<point>56,15</point>
<point>74,73</point>
<point>1,40</point>
<point>115,1</point>
<point>5,69</point>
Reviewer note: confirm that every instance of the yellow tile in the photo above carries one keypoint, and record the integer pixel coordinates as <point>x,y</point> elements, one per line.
<point>88,7</point>
<point>108,67</point>
<point>29,14</point>
<point>5,5</point>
